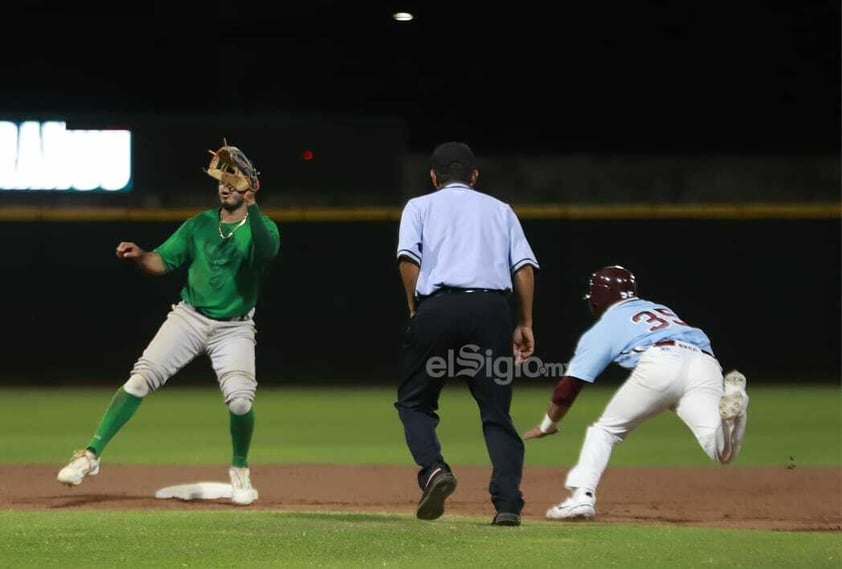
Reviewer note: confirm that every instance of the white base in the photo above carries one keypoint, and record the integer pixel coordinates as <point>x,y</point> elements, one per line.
<point>197,491</point>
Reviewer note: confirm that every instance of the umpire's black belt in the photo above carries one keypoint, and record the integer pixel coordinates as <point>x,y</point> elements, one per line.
<point>458,290</point>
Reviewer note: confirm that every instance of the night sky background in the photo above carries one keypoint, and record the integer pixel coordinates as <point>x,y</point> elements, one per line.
<point>740,77</point>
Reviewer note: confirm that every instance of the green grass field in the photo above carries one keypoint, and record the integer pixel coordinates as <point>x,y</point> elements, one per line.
<point>181,425</point>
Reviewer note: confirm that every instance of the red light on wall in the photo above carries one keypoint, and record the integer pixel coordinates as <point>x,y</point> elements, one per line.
<point>307,155</point>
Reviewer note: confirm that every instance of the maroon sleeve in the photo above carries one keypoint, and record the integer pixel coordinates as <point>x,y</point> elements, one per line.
<point>566,390</point>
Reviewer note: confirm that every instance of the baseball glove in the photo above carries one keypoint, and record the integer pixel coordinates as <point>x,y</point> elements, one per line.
<point>230,166</point>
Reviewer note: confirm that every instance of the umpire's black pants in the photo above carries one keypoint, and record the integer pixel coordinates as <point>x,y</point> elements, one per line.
<point>474,323</point>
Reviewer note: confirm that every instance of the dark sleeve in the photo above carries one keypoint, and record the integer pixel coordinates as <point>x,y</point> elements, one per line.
<point>566,390</point>
<point>264,234</point>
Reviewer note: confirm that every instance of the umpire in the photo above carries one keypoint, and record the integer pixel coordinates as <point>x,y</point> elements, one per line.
<point>460,254</point>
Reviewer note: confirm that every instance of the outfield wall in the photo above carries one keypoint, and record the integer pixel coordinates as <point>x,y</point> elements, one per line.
<point>766,288</point>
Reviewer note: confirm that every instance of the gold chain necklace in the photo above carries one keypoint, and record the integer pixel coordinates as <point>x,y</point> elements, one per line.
<point>236,227</point>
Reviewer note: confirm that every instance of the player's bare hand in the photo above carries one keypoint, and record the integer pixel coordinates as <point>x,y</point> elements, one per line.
<point>536,432</point>
<point>523,343</point>
<point>128,250</point>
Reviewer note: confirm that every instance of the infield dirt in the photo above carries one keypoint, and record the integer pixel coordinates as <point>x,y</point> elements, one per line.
<point>777,498</point>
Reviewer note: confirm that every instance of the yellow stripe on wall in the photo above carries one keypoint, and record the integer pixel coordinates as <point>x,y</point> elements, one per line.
<point>677,211</point>
<point>346,214</point>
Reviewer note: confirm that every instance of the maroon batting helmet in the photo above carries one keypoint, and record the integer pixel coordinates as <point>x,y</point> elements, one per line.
<point>609,285</point>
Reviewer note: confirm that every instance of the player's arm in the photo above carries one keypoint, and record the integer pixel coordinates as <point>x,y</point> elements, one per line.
<point>266,239</point>
<point>149,262</point>
<point>594,352</point>
<point>409,270</point>
<point>564,394</point>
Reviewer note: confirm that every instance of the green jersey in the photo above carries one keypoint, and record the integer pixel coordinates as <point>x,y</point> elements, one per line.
<point>225,261</point>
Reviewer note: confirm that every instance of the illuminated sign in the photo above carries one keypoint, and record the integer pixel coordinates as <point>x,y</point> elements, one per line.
<point>47,156</point>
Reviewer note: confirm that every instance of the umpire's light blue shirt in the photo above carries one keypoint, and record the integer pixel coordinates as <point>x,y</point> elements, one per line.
<point>463,238</point>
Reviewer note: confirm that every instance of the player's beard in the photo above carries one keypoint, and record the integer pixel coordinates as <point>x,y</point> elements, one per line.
<point>233,202</point>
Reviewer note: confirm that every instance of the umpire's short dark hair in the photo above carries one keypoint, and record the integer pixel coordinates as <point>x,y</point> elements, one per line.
<point>453,162</point>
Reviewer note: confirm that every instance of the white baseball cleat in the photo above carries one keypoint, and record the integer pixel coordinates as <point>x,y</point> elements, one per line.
<point>84,463</point>
<point>579,506</point>
<point>243,493</point>
<point>735,400</point>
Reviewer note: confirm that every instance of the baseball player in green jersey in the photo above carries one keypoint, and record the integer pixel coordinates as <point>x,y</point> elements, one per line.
<point>227,251</point>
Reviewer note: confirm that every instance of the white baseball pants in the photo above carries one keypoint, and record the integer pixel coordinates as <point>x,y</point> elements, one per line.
<point>185,334</point>
<point>681,378</point>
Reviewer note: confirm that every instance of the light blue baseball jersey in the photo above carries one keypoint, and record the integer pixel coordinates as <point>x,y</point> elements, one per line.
<point>624,332</point>
<point>462,238</point>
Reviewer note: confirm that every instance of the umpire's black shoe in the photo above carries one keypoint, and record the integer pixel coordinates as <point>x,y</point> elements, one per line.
<point>440,485</point>
<point>506,519</point>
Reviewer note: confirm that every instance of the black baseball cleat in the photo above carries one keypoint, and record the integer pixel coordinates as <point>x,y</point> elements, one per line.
<point>506,519</point>
<point>440,485</point>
